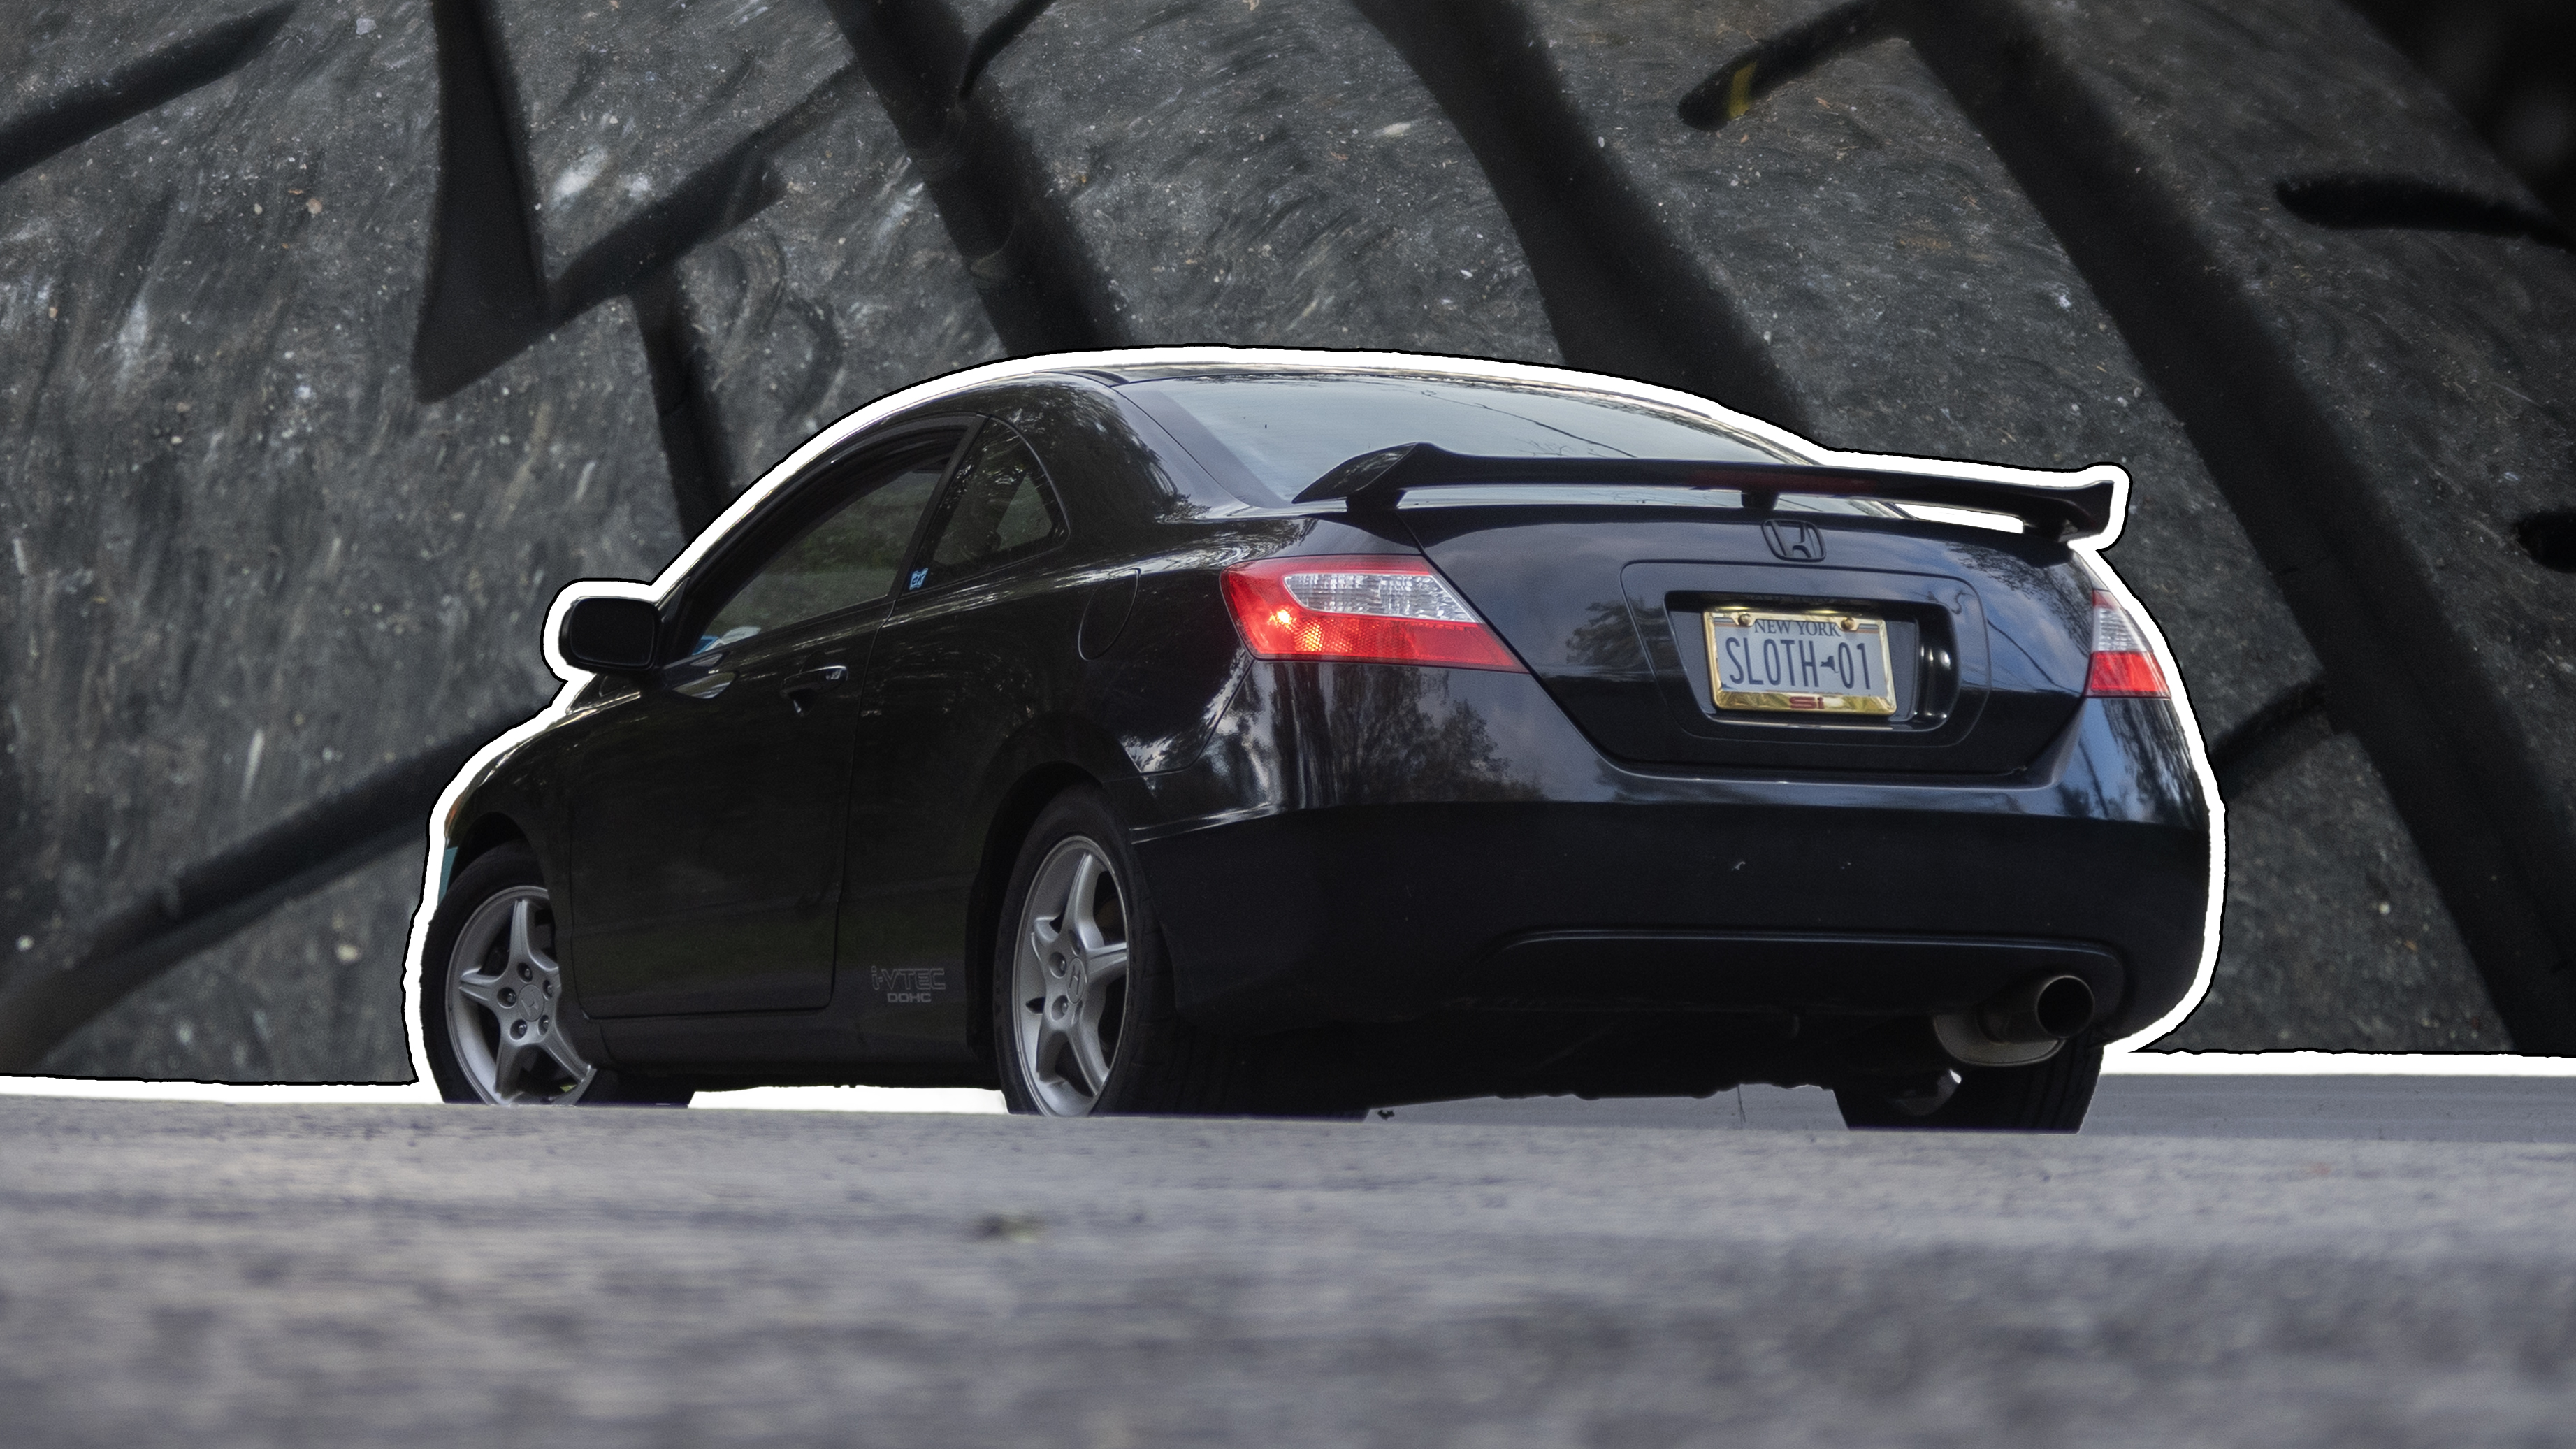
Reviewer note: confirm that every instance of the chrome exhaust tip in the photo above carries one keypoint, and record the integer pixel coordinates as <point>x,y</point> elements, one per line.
<point>2023,1024</point>
<point>2043,1008</point>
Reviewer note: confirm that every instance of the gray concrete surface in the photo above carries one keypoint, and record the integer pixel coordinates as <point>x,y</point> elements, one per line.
<point>2368,1108</point>
<point>362,1275</point>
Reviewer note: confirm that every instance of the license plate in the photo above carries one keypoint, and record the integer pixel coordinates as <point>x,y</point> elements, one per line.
<point>1822,662</point>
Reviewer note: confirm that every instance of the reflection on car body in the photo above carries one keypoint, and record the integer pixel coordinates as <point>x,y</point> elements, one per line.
<point>1240,731</point>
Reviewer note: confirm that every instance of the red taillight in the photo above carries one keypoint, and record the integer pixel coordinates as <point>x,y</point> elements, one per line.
<point>1386,610</point>
<point>2122,662</point>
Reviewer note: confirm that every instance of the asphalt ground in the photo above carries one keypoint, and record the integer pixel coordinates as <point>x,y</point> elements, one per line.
<point>215,1275</point>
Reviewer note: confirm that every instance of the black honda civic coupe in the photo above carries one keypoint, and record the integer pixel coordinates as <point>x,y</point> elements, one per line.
<point>1231,732</point>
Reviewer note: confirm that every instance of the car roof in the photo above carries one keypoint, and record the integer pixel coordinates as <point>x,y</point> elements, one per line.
<point>1464,371</point>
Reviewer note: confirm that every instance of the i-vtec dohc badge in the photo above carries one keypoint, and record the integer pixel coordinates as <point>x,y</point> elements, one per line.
<point>1818,661</point>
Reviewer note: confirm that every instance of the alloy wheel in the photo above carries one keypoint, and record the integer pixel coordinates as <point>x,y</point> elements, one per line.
<point>505,1004</point>
<point>1069,978</point>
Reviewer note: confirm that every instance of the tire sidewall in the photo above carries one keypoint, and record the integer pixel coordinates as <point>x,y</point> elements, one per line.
<point>1080,811</point>
<point>496,870</point>
<point>2049,1096</point>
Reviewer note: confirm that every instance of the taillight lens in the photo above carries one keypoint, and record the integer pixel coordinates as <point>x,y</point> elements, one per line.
<point>2122,662</point>
<point>1385,610</point>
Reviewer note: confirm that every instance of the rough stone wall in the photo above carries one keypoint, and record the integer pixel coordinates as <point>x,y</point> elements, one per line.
<point>337,335</point>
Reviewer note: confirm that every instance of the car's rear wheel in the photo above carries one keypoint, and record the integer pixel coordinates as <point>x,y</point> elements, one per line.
<point>493,997</point>
<point>1083,1001</point>
<point>2048,1096</point>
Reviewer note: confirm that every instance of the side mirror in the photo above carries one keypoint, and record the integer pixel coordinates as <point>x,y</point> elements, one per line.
<point>610,635</point>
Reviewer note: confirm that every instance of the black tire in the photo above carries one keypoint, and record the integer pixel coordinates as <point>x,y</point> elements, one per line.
<point>2050,1096</point>
<point>1157,1062</point>
<point>462,1038</point>
<point>2008,230</point>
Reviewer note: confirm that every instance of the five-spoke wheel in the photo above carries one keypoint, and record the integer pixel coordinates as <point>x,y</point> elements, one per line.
<point>1069,978</point>
<point>494,1003</point>
<point>504,1004</point>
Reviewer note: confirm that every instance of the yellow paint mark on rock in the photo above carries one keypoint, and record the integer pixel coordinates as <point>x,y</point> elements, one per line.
<point>1739,91</point>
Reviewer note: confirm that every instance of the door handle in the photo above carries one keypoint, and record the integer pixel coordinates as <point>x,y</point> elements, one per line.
<point>800,689</point>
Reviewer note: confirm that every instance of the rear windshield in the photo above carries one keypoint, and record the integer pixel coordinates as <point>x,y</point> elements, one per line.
<point>1279,433</point>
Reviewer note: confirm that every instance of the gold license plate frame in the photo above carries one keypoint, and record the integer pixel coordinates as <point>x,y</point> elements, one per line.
<point>1796,677</point>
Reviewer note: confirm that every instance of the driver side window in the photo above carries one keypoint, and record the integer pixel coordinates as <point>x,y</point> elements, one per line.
<point>849,557</point>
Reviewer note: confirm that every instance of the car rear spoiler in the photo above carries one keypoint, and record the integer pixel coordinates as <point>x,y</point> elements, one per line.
<point>1374,481</point>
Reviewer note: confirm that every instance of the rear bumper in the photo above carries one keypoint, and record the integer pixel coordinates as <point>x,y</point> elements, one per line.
<point>1592,887</point>
<point>1389,912</point>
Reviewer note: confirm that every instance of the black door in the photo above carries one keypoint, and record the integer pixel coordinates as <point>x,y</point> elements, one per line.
<point>969,655</point>
<point>707,819</point>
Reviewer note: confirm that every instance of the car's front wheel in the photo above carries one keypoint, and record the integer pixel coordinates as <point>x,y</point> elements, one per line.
<point>1082,989</point>
<point>2047,1096</point>
<point>493,997</point>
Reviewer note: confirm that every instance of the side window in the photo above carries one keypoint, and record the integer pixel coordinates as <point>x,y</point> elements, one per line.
<point>850,557</point>
<point>1000,509</point>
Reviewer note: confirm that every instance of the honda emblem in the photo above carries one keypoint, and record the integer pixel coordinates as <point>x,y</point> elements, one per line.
<point>1796,542</point>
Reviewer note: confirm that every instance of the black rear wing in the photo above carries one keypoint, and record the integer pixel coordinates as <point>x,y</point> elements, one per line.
<point>1374,481</point>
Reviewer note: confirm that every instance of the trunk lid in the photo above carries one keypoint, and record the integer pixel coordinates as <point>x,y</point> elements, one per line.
<point>1988,633</point>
